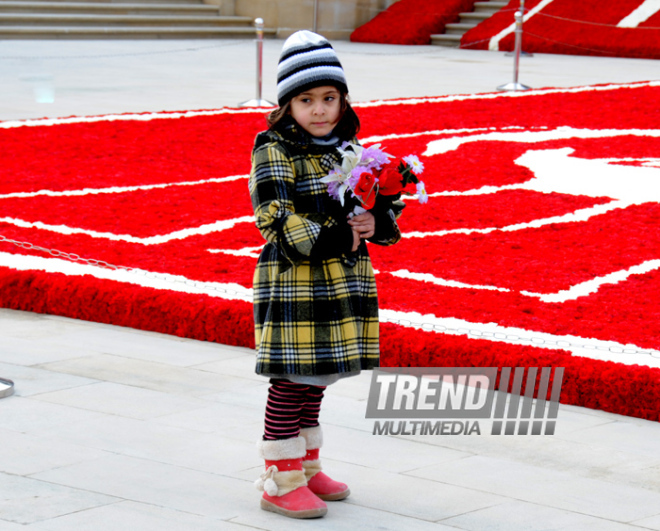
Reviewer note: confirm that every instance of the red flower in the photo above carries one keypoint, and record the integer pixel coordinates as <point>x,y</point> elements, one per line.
<point>389,182</point>
<point>411,21</point>
<point>574,28</point>
<point>166,182</point>
<point>365,189</point>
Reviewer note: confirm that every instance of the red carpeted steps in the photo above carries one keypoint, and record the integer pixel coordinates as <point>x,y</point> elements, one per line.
<point>454,31</point>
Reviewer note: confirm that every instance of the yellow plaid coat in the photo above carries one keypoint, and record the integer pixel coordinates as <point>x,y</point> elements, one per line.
<point>315,302</point>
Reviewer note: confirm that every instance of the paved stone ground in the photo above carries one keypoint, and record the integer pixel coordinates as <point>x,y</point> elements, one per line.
<point>118,429</point>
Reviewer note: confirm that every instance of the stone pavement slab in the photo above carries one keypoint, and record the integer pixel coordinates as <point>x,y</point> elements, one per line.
<point>148,374</point>
<point>26,454</point>
<point>133,516</point>
<point>521,516</point>
<point>152,482</point>
<point>109,452</point>
<point>24,500</point>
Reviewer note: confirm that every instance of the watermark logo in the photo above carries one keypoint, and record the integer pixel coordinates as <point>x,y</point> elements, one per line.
<point>457,400</point>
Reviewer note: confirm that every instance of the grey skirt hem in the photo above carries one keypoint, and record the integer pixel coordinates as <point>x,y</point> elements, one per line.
<point>320,380</point>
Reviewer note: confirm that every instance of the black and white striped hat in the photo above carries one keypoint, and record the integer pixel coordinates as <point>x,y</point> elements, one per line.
<point>307,61</point>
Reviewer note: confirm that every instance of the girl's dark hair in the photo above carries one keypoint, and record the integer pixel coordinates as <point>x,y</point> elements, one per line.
<point>347,127</point>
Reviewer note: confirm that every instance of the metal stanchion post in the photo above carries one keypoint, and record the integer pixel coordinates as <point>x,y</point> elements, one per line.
<point>259,102</point>
<point>6,387</point>
<point>523,53</point>
<point>316,16</point>
<point>516,60</point>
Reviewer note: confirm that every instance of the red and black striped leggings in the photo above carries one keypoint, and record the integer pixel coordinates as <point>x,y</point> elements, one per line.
<point>291,406</point>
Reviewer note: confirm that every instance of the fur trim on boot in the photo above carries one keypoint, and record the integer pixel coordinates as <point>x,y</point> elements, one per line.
<point>284,483</point>
<point>313,437</point>
<point>318,482</point>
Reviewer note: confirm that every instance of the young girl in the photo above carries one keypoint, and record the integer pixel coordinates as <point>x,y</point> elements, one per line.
<point>315,305</point>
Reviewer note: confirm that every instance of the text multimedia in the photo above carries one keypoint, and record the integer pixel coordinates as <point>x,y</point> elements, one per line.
<point>427,427</point>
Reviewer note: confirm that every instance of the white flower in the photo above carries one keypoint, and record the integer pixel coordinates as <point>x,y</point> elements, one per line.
<point>335,175</point>
<point>421,193</point>
<point>345,177</point>
<point>415,164</point>
<point>350,159</point>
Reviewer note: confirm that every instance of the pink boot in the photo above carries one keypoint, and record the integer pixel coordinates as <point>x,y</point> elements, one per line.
<point>284,484</point>
<point>324,487</point>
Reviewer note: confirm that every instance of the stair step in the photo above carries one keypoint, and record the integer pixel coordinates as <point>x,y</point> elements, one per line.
<point>476,16</point>
<point>106,8</point>
<point>7,19</point>
<point>489,6</point>
<point>113,2</point>
<point>116,19</point>
<point>72,32</point>
<point>458,28</point>
<point>445,39</point>
<point>453,32</point>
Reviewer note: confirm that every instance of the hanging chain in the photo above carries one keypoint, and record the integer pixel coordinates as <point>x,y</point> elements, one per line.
<point>106,265</point>
<point>69,256</point>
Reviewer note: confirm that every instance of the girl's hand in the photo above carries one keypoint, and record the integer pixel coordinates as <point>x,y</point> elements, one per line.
<point>356,241</point>
<point>364,224</point>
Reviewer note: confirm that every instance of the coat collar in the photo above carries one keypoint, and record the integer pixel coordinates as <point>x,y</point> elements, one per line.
<point>295,138</point>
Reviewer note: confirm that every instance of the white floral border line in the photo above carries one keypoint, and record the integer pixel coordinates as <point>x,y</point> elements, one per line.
<point>526,136</point>
<point>208,228</point>
<point>513,94</point>
<point>376,103</point>
<point>138,117</point>
<point>135,276</point>
<point>577,346</point>
<point>219,226</point>
<point>582,214</point>
<point>119,189</point>
<point>581,289</point>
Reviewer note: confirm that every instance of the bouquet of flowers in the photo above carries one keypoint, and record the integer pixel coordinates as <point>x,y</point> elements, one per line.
<point>366,173</point>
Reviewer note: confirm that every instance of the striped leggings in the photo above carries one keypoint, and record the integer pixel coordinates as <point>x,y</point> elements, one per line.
<point>291,406</point>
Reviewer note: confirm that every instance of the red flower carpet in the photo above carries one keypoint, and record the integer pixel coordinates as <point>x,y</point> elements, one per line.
<point>539,245</point>
<point>411,21</point>
<point>626,28</point>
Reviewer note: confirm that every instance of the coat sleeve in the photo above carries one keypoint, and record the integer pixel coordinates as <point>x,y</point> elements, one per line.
<point>272,188</point>
<point>386,212</point>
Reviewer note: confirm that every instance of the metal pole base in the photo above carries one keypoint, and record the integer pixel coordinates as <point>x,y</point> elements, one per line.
<point>257,103</point>
<point>6,387</point>
<point>522,54</point>
<point>513,87</point>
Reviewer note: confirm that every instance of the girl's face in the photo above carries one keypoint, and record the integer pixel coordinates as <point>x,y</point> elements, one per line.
<point>317,110</point>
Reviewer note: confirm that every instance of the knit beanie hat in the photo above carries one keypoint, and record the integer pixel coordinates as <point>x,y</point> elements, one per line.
<point>307,61</point>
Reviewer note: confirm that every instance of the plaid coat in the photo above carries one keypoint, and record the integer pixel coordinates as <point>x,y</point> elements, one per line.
<point>315,302</point>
